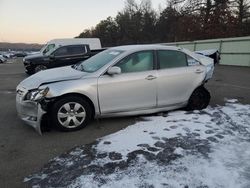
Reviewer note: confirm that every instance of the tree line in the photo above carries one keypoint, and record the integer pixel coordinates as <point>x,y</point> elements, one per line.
<point>179,20</point>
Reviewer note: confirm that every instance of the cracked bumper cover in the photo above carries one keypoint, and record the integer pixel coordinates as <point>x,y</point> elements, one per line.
<point>30,112</point>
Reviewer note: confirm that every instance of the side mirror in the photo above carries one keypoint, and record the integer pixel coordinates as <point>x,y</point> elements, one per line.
<point>114,70</point>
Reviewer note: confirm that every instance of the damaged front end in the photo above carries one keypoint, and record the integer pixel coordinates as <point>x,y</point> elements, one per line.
<point>31,106</point>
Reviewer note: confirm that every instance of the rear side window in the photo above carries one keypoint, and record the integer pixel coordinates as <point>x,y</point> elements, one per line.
<point>192,62</point>
<point>137,62</point>
<point>76,50</point>
<point>62,51</point>
<point>171,59</point>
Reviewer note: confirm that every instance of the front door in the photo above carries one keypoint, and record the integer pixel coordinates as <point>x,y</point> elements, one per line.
<point>133,89</point>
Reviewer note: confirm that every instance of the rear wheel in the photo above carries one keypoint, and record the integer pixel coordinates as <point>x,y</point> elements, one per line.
<point>71,113</point>
<point>39,68</point>
<point>199,99</point>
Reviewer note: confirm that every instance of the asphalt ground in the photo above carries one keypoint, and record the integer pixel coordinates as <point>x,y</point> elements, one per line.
<point>23,151</point>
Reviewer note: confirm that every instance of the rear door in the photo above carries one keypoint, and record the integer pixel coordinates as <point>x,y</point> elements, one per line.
<point>178,75</point>
<point>133,89</point>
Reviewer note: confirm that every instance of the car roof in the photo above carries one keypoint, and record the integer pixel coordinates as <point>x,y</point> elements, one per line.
<point>144,47</point>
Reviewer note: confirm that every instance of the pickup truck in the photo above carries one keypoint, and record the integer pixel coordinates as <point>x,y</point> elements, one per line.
<point>61,56</point>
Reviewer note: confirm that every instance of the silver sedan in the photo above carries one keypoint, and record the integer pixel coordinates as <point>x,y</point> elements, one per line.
<point>124,80</point>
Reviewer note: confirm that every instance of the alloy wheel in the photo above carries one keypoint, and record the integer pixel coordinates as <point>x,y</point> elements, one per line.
<point>71,115</point>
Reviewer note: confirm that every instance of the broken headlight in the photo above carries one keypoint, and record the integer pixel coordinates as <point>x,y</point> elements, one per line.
<point>37,94</point>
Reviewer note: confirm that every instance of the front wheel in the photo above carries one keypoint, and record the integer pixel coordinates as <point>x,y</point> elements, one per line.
<point>71,113</point>
<point>199,99</point>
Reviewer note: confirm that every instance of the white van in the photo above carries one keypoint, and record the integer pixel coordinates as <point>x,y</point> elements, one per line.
<point>94,43</point>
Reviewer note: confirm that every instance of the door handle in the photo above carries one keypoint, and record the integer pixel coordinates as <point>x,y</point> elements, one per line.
<point>198,71</point>
<point>150,77</point>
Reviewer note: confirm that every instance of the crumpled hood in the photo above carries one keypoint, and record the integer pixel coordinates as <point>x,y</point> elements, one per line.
<point>51,75</point>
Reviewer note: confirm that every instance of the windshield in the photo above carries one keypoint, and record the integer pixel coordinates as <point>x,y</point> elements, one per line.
<point>98,61</point>
<point>47,48</point>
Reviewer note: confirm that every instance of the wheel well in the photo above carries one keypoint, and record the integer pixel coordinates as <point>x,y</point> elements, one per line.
<point>205,99</point>
<point>200,86</point>
<point>77,95</point>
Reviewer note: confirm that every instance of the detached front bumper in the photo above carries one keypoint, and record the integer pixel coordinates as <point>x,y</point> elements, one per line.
<point>30,112</point>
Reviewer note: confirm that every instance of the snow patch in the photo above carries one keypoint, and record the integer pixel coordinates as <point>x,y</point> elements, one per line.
<point>231,100</point>
<point>208,148</point>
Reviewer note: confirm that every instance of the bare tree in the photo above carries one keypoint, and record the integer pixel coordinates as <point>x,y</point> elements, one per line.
<point>241,8</point>
<point>179,20</point>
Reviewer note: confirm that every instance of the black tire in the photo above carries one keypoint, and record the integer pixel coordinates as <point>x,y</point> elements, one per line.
<point>199,99</point>
<point>69,123</point>
<point>39,68</point>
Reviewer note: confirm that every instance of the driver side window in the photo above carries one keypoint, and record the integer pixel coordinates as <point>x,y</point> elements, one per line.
<point>48,48</point>
<point>137,62</point>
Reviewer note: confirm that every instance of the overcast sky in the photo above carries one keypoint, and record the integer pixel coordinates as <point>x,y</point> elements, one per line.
<point>37,21</point>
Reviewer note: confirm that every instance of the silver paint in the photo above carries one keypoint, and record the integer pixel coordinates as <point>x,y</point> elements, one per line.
<point>118,94</point>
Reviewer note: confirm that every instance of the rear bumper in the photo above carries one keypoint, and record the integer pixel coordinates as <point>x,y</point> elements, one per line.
<point>30,112</point>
